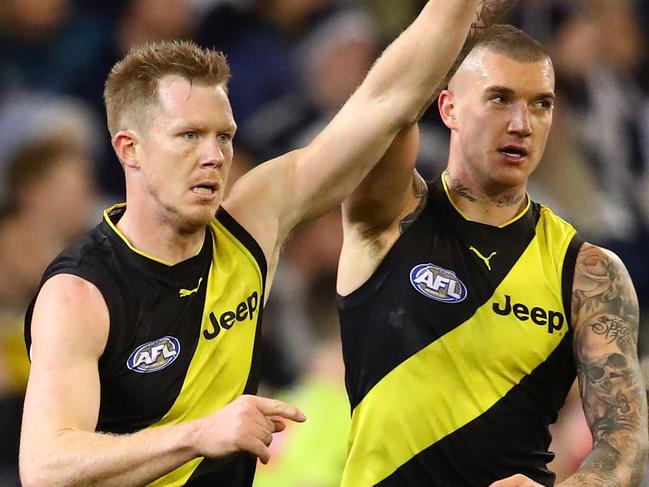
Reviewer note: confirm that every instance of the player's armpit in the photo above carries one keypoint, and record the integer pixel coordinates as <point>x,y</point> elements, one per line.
<point>390,191</point>
<point>605,320</point>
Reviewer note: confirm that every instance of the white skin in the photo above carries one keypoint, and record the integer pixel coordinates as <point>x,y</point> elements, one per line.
<point>185,145</point>
<point>499,112</point>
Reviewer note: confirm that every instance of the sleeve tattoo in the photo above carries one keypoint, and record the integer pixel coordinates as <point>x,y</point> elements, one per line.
<point>605,308</point>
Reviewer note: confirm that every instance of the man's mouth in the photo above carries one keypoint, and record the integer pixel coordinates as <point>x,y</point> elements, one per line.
<point>514,152</point>
<point>206,188</point>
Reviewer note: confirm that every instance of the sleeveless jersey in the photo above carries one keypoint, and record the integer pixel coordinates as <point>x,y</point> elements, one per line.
<point>183,338</point>
<point>458,350</point>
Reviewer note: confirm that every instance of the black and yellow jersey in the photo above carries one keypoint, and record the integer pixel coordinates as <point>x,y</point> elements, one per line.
<point>458,350</point>
<point>183,338</point>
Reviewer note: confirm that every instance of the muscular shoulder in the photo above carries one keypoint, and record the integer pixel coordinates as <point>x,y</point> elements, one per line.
<point>70,313</point>
<point>602,289</point>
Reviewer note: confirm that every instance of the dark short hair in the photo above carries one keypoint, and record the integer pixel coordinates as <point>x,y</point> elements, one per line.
<point>132,85</point>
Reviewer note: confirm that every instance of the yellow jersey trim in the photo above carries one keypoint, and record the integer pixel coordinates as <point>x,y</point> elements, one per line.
<point>517,217</point>
<point>126,241</point>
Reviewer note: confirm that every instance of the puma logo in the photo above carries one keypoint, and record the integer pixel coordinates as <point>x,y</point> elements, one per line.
<point>484,259</point>
<point>186,292</point>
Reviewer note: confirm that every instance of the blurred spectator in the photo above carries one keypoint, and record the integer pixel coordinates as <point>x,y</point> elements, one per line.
<point>289,341</point>
<point>50,199</point>
<point>259,38</point>
<point>47,44</point>
<point>332,60</point>
<point>51,195</point>
<point>599,55</point>
<point>313,454</point>
<point>392,17</point>
<point>28,116</point>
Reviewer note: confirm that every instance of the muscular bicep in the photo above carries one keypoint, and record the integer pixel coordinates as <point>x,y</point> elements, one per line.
<point>69,332</point>
<point>391,186</point>
<point>605,320</point>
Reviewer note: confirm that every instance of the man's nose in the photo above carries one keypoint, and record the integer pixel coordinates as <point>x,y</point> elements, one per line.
<point>520,120</point>
<point>213,155</point>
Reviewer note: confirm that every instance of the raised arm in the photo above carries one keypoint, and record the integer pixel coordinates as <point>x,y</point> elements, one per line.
<point>59,445</point>
<point>605,317</point>
<point>303,184</point>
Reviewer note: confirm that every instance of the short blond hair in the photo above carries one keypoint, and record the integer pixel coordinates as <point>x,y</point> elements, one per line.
<point>131,89</point>
<point>502,39</point>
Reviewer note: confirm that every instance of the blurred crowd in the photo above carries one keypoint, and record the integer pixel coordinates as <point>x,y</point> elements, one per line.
<point>294,64</point>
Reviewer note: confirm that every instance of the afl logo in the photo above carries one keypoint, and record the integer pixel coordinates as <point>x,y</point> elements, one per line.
<point>154,356</point>
<point>438,283</point>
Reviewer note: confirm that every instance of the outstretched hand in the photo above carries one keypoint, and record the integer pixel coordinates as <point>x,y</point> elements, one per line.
<point>246,424</point>
<point>518,480</point>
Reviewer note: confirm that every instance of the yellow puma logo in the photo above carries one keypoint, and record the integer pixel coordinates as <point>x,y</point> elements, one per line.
<point>485,259</point>
<point>186,292</point>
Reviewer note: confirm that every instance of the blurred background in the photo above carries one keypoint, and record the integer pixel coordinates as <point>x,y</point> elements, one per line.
<point>294,63</point>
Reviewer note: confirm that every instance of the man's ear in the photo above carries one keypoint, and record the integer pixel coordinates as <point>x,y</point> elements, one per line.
<point>124,143</point>
<point>447,108</point>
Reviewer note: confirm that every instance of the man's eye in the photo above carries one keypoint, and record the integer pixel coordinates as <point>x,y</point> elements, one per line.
<point>190,135</point>
<point>545,104</point>
<point>499,99</point>
<point>225,137</point>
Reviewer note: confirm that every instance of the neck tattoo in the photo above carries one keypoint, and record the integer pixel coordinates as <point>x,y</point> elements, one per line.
<point>458,187</point>
<point>510,200</point>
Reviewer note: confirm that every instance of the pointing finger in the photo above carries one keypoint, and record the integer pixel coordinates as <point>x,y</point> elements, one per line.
<point>273,407</point>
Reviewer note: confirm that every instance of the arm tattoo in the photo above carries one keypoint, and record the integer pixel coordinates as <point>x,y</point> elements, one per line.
<point>420,190</point>
<point>613,329</point>
<point>599,281</point>
<point>606,331</point>
<point>491,11</point>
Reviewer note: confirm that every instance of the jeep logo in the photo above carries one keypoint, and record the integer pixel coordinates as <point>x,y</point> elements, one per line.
<point>539,316</point>
<point>244,310</point>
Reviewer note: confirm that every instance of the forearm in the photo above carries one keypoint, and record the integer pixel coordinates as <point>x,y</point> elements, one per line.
<point>619,453</point>
<point>77,458</point>
<point>408,72</point>
<point>605,466</point>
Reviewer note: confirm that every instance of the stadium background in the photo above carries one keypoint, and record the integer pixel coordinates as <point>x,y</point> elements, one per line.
<point>294,63</point>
